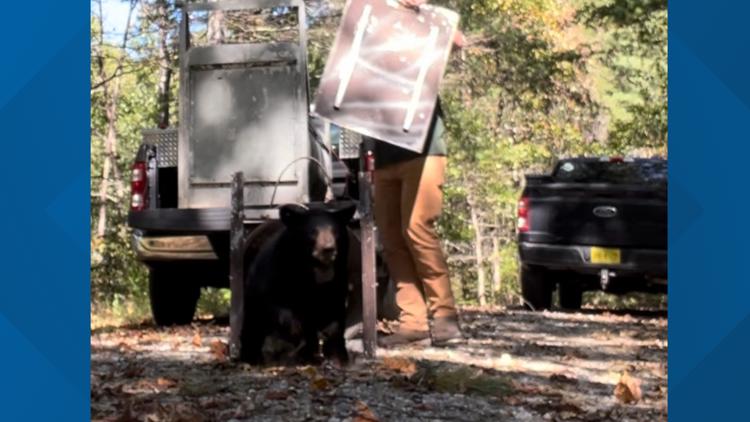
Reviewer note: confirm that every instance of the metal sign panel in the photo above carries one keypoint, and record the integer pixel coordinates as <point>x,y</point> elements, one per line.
<point>384,71</point>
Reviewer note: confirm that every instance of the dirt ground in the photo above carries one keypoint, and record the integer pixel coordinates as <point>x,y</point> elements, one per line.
<point>515,366</point>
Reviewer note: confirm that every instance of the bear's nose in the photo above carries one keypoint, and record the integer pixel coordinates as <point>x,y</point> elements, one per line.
<point>329,250</point>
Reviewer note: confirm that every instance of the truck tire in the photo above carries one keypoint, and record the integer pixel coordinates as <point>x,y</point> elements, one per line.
<point>571,295</point>
<point>173,295</point>
<point>536,289</point>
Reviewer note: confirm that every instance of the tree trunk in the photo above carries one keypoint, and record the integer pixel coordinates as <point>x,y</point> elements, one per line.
<point>111,88</point>
<point>496,276</point>
<point>110,164</point>
<point>165,65</point>
<point>216,27</point>
<point>478,240</point>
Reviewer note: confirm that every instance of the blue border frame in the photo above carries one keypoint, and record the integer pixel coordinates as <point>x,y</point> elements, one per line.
<point>44,303</point>
<point>709,301</point>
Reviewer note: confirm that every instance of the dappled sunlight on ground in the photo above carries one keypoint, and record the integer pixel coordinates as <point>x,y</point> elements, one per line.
<point>515,365</point>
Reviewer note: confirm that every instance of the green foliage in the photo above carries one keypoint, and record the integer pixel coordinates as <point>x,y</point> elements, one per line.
<point>214,302</point>
<point>118,281</point>
<point>538,79</point>
<point>633,48</point>
<point>113,273</point>
<point>519,96</point>
<point>646,301</point>
<point>322,27</point>
<point>447,378</point>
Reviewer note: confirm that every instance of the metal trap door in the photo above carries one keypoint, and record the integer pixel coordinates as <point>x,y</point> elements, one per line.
<point>244,108</point>
<point>245,119</point>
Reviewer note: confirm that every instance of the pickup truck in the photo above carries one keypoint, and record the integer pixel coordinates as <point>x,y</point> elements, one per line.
<point>186,249</point>
<point>593,224</point>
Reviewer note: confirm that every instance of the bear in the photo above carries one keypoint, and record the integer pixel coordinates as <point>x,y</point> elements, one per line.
<point>296,288</point>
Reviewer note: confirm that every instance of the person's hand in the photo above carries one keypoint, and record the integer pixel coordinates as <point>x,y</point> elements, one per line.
<point>412,3</point>
<point>459,40</point>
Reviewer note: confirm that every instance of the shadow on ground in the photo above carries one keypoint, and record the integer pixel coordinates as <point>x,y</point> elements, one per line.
<point>515,365</point>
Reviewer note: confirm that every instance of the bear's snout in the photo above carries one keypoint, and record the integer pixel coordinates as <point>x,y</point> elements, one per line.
<point>325,247</point>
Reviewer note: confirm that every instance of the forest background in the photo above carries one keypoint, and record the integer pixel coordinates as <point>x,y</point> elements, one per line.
<point>536,80</point>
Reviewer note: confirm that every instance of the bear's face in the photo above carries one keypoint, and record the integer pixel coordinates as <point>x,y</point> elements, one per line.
<point>320,228</point>
<point>322,236</point>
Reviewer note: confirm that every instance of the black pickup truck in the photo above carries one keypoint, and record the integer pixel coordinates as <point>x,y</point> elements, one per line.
<point>593,223</point>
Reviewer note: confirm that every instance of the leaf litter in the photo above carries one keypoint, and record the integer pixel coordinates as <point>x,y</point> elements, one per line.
<point>516,365</point>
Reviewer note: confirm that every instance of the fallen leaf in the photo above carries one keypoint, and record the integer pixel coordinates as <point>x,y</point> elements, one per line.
<point>526,388</point>
<point>601,335</point>
<point>569,408</point>
<point>505,359</point>
<point>133,370</point>
<point>165,382</point>
<point>562,378</point>
<point>320,384</point>
<point>201,387</point>
<point>186,413</point>
<point>124,346</point>
<point>512,400</point>
<point>277,395</point>
<point>127,415</point>
<point>628,390</point>
<point>574,354</point>
<point>364,414</point>
<point>401,365</point>
<point>459,379</point>
<point>310,371</point>
<point>219,349</point>
<point>197,340</point>
<point>213,402</point>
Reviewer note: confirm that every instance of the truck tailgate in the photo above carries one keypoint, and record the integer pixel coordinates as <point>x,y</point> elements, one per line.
<point>597,215</point>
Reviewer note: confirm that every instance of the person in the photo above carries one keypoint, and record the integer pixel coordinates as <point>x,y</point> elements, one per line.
<point>407,202</point>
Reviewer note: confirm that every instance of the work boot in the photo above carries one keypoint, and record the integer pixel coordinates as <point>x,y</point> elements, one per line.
<point>404,337</point>
<point>445,331</point>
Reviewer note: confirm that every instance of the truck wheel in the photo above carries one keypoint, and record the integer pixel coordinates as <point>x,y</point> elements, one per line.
<point>535,288</point>
<point>571,295</point>
<point>173,296</point>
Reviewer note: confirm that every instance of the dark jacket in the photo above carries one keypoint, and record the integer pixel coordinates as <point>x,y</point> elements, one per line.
<point>388,154</point>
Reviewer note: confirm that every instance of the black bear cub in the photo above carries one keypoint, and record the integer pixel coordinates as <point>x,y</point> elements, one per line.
<point>296,288</point>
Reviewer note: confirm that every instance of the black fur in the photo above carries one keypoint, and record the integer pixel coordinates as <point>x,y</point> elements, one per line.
<point>296,287</point>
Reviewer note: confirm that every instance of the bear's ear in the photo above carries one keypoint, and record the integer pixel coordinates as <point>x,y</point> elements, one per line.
<point>293,214</point>
<point>345,213</point>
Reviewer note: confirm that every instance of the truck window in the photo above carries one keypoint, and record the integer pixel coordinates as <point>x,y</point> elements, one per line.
<point>635,172</point>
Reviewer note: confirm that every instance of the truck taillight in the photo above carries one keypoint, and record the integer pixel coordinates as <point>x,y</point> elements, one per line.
<point>523,215</point>
<point>138,186</point>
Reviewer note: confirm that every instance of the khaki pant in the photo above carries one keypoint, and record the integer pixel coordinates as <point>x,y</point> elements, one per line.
<point>408,200</point>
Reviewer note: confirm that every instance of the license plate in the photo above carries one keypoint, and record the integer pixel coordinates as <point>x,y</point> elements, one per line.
<point>605,255</point>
